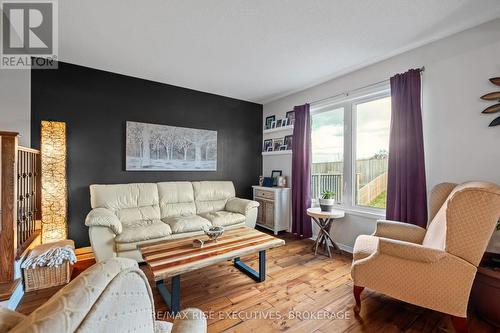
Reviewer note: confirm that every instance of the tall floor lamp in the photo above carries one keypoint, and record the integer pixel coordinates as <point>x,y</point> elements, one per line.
<point>54,190</point>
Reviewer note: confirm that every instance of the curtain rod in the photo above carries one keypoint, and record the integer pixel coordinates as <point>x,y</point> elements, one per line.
<point>422,69</point>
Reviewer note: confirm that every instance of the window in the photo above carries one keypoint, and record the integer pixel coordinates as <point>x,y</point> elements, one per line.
<point>327,138</point>
<point>373,119</point>
<point>350,145</point>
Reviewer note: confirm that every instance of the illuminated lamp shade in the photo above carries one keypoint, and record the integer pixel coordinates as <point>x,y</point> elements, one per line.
<point>54,191</point>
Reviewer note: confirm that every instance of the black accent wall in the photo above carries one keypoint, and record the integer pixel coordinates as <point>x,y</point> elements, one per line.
<point>95,105</point>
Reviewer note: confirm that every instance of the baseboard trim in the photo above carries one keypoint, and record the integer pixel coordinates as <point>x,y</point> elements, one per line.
<point>341,246</point>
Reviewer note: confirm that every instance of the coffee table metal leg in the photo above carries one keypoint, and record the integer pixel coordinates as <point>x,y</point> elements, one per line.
<point>172,299</point>
<point>257,276</point>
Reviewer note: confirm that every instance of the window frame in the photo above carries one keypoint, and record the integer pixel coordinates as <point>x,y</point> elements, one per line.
<point>349,103</point>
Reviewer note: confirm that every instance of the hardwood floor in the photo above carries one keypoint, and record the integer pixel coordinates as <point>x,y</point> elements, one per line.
<point>298,286</point>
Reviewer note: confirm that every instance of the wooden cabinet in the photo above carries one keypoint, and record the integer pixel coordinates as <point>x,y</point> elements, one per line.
<point>274,207</point>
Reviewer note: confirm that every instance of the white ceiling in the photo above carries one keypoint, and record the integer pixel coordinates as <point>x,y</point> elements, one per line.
<point>255,50</point>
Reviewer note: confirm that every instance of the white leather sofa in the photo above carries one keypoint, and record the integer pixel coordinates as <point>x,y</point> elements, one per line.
<point>111,296</point>
<point>126,215</point>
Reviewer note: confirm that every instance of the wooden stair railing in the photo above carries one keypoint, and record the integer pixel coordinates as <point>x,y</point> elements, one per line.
<point>19,206</point>
<point>28,197</point>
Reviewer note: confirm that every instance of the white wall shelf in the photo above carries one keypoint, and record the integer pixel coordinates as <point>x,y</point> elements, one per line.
<point>278,129</point>
<point>279,152</point>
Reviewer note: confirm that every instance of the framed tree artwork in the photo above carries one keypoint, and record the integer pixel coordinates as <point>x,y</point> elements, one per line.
<point>152,147</point>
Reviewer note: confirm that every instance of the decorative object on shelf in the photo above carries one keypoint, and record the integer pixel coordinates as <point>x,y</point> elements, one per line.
<point>327,201</point>
<point>495,122</point>
<point>261,180</point>
<point>274,175</point>
<point>270,149</point>
<point>494,96</point>
<point>283,147</point>
<point>54,189</point>
<point>288,141</point>
<point>268,182</point>
<point>290,116</point>
<point>49,265</point>
<point>492,109</point>
<point>281,181</point>
<point>273,124</point>
<point>198,243</point>
<point>495,80</point>
<point>279,123</point>
<point>214,232</point>
<point>269,121</point>
<point>284,122</point>
<point>277,143</point>
<point>155,147</point>
<point>268,144</point>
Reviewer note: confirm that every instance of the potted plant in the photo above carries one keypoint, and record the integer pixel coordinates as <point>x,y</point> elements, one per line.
<point>326,201</point>
<point>486,289</point>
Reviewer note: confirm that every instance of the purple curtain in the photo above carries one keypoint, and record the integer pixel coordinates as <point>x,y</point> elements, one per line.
<point>406,188</point>
<point>301,172</point>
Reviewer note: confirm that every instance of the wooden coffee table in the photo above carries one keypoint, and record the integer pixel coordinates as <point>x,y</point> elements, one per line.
<point>170,259</point>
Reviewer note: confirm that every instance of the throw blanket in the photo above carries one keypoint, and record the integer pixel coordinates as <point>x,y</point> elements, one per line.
<point>51,254</point>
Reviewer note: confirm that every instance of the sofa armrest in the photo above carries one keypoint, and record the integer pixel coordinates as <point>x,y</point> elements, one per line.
<point>409,251</point>
<point>400,231</point>
<point>102,217</point>
<point>9,319</point>
<point>190,320</point>
<point>242,206</point>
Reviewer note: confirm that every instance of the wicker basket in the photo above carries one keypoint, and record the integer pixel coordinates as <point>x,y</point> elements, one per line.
<point>46,277</point>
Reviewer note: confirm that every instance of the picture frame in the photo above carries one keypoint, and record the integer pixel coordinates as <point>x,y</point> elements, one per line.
<point>283,147</point>
<point>288,141</point>
<point>269,149</point>
<point>274,175</point>
<point>290,116</point>
<point>189,149</point>
<point>269,120</point>
<point>267,144</point>
<point>273,124</point>
<point>284,122</point>
<point>277,143</point>
<point>279,122</point>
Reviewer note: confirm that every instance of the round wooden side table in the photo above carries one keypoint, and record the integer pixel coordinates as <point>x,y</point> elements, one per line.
<point>324,221</point>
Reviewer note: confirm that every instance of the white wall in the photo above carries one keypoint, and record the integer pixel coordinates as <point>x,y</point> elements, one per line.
<point>15,103</point>
<point>459,146</point>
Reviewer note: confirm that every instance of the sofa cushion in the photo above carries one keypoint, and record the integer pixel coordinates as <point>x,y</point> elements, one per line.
<point>143,230</point>
<point>120,196</point>
<point>176,199</point>
<point>180,224</point>
<point>131,215</point>
<point>130,202</point>
<point>211,196</point>
<point>223,218</point>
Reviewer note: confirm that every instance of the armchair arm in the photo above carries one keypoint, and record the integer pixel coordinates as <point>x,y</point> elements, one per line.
<point>102,217</point>
<point>190,320</point>
<point>400,231</point>
<point>242,206</point>
<point>409,251</point>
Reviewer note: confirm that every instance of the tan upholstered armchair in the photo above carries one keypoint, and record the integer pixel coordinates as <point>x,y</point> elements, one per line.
<point>433,267</point>
<point>111,296</point>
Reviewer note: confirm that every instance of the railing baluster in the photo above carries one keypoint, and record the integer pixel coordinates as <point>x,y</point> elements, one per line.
<point>27,194</point>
